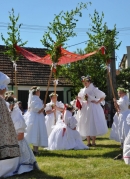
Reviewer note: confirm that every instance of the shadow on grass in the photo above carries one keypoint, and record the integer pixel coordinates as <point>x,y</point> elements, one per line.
<point>36,174</point>
<point>108,146</point>
<point>82,155</point>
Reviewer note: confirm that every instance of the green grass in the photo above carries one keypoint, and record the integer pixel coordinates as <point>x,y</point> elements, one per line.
<point>96,163</point>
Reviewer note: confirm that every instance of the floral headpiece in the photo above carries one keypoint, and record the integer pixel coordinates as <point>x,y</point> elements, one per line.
<point>36,89</point>
<point>122,89</point>
<point>53,94</point>
<point>69,107</point>
<point>86,78</point>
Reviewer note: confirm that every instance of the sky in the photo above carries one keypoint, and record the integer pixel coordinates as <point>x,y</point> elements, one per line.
<point>35,15</point>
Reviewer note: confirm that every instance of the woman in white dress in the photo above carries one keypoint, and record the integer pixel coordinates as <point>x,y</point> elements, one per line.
<point>126,147</point>
<point>64,135</point>
<point>36,133</point>
<point>94,118</point>
<point>53,112</point>
<point>120,116</point>
<point>26,162</point>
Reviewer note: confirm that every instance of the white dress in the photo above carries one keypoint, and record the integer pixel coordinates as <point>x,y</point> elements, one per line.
<point>50,118</point>
<point>81,116</point>
<point>26,161</point>
<point>126,147</point>
<point>117,126</point>
<point>93,115</point>
<point>36,132</point>
<point>63,135</point>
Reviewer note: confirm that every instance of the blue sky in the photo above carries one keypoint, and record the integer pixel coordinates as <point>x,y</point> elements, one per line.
<point>41,12</point>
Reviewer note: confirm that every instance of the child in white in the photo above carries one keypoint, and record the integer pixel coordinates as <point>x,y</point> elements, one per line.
<point>53,112</point>
<point>35,121</point>
<point>64,135</point>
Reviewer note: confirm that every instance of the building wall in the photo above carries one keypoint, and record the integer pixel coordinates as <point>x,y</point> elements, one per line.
<point>64,94</point>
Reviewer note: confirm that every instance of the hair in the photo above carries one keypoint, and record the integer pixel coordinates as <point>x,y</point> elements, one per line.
<point>34,89</point>
<point>10,100</point>
<point>69,107</point>
<point>86,78</point>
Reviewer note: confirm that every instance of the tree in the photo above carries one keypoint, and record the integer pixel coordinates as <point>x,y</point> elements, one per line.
<point>95,65</point>
<point>123,79</point>
<point>13,38</point>
<point>62,28</point>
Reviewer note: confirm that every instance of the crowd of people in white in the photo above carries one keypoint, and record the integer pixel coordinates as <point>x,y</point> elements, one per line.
<point>62,128</point>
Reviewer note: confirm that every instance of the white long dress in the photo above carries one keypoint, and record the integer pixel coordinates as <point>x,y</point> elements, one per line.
<point>117,126</point>
<point>63,135</point>
<point>81,115</point>
<point>50,118</point>
<point>94,118</point>
<point>26,161</point>
<point>36,132</point>
<point>126,147</point>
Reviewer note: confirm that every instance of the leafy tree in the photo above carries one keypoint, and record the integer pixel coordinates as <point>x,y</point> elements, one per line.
<point>95,66</point>
<point>13,37</point>
<point>123,79</point>
<point>62,28</point>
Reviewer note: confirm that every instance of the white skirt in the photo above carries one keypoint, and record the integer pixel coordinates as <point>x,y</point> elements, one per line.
<point>126,149</point>
<point>95,120</point>
<point>81,116</point>
<point>64,138</point>
<point>26,159</point>
<point>49,121</point>
<point>114,135</point>
<point>8,167</point>
<point>36,132</point>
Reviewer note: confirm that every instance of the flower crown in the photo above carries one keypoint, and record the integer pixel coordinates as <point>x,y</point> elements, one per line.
<point>53,94</point>
<point>69,107</point>
<point>33,90</point>
<point>86,78</point>
<point>122,89</point>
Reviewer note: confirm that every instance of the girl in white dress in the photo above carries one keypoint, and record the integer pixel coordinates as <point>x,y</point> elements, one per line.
<point>120,116</point>
<point>36,129</point>
<point>53,112</point>
<point>64,135</point>
<point>94,118</point>
<point>126,147</point>
<point>26,162</point>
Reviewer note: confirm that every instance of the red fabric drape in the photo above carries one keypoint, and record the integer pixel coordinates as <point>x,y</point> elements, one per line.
<point>67,57</point>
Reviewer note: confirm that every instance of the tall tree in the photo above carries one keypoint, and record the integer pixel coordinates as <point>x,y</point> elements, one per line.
<point>95,65</point>
<point>123,79</point>
<point>13,38</point>
<point>59,32</point>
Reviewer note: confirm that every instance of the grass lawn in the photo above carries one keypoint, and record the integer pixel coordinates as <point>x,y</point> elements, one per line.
<point>95,163</point>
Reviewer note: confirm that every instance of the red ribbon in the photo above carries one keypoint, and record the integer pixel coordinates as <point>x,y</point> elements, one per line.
<point>78,104</point>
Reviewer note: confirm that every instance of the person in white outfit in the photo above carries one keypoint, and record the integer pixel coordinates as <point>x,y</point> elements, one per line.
<point>26,162</point>
<point>36,133</point>
<point>120,116</point>
<point>93,114</point>
<point>126,147</point>
<point>64,135</point>
<point>53,112</point>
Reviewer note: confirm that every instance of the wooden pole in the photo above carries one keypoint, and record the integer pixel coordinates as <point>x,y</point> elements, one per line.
<point>16,87</point>
<point>109,75</point>
<point>48,87</point>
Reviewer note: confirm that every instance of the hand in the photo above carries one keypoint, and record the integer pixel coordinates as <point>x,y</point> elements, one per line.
<point>114,99</point>
<point>41,110</point>
<point>20,136</point>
